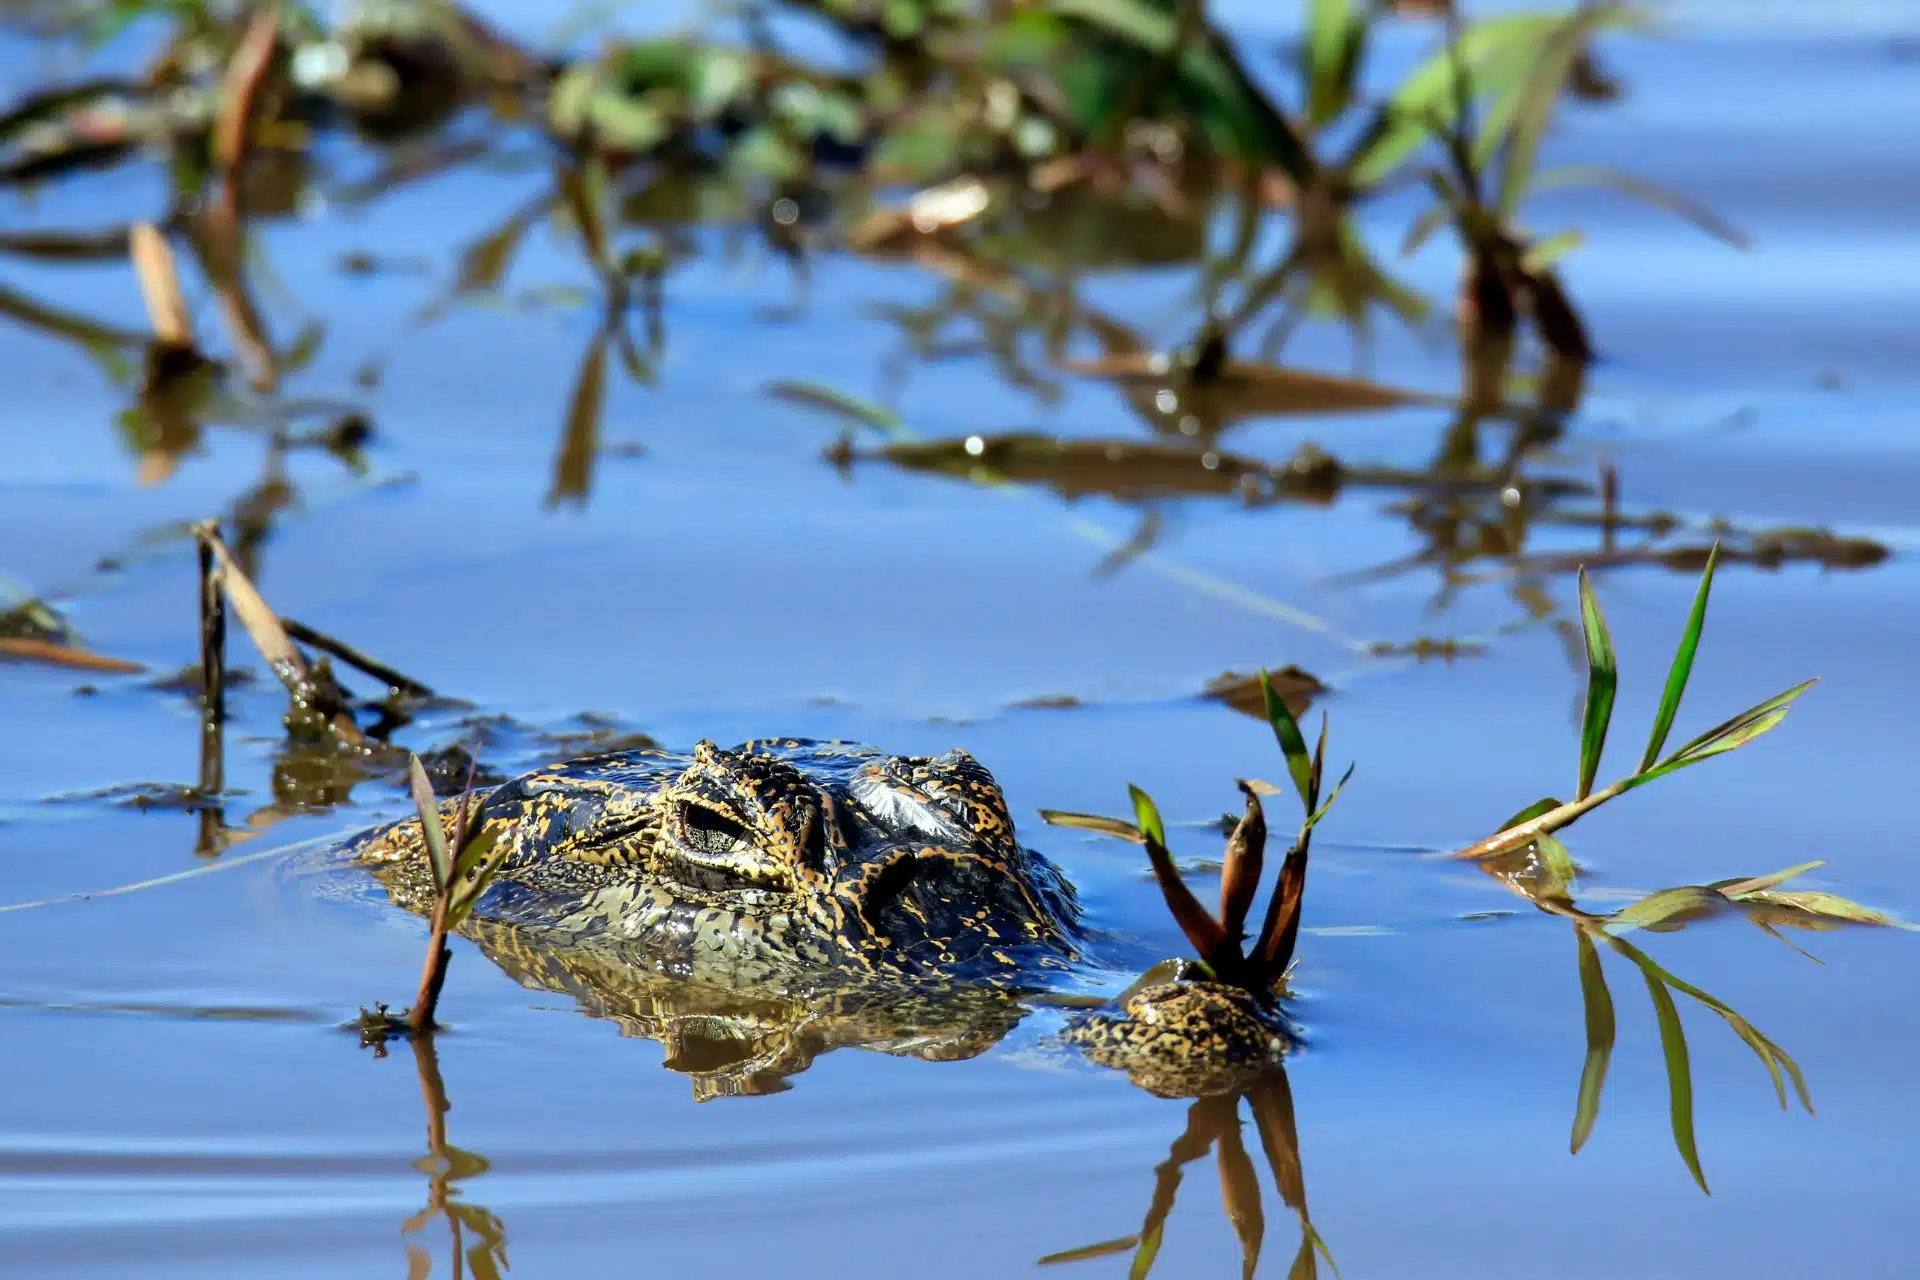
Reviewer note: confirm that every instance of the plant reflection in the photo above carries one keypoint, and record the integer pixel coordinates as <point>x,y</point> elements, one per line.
<point>477,1239</point>
<point>1214,1124</point>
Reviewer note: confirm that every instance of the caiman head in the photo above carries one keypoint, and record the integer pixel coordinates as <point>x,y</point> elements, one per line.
<point>804,858</point>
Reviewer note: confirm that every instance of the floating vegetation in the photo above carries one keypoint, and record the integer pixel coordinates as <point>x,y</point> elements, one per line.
<point>31,630</point>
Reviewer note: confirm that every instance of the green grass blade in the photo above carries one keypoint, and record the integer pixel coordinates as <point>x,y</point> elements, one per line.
<point>1602,679</point>
<point>1115,827</point>
<point>1682,665</point>
<point>1149,1250</point>
<point>1741,725</point>
<point>1769,1053</point>
<point>1495,53</point>
<point>1327,804</point>
<point>1544,252</point>
<point>1641,189</point>
<point>1758,884</point>
<point>862,413</point>
<point>1534,109</point>
<point>435,837</point>
<point>1673,1046</point>
<point>1330,28</point>
<point>1598,1002</point>
<point>1104,1249</point>
<point>1147,814</point>
<point>1286,731</point>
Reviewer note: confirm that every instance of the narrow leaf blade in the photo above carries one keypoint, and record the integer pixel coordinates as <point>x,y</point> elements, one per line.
<point>1673,1046</point>
<point>1602,680</point>
<point>1286,731</point>
<point>428,807</point>
<point>1598,1003</point>
<point>1682,667</point>
<point>1115,827</point>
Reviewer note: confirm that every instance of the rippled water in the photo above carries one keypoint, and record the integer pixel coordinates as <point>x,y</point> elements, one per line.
<point>178,1096</point>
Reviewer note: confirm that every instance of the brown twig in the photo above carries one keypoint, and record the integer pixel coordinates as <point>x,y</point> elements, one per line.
<point>213,679</point>
<point>62,655</point>
<point>355,658</point>
<point>159,279</point>
<point>270,637</point>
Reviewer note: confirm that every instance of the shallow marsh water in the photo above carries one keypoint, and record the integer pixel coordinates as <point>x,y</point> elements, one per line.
<point>178,1097</point>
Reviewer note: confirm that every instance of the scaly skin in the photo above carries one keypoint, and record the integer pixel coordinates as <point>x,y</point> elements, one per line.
<point>752,908</point>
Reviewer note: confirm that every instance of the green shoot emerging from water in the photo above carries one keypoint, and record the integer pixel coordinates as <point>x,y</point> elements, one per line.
<point>1547,816</point>
<point>463,861</point>
<point>1261,966</point>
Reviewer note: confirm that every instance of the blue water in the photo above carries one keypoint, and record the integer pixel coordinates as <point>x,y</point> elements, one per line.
<point>179,1100</point>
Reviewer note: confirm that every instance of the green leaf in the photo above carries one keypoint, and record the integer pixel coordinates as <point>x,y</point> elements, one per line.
<point>1652,193</point>
<point>1314,820</point>
<point>1831,906</point>
<point>1292,745</point>
<point>1529,813</point>
<point>1682,665</point>
<point>1556,865</point>
<point>1771,1055</point>
<point>1598,1002</point>
<point>1148,814</point>
<point>1737,732</point>
<point>1105,1248</point>
<point>473,870</point>
<point>1543,253</point>
<point>1233,111</point>
<point>431,832</point>
<point>860,412</point>
<point>1602,677</point>
<point>1115,827</point>
<point>1741,728</point>
<point>1673,1045</point>
<point>1494,53</point>
<point>1658,908</point>
<point>1148,1251</point>
<point>1757,884</point>
<point>1534,109</point>
<point>1332,32</point>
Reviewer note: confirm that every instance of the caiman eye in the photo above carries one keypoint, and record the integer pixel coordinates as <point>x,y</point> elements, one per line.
<point>707,831</point>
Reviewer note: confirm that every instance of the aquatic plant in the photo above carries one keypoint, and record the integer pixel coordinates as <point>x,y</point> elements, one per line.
<point>1545,873</point>
<point>462,859</point>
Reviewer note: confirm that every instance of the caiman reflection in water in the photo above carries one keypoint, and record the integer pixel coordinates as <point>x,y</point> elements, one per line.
<point>753,908</point>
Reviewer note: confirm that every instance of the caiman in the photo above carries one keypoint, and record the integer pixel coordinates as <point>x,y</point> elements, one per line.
<point>753,907</point>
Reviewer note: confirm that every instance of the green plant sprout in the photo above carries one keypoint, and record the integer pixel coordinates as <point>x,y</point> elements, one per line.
<point>463,861</point>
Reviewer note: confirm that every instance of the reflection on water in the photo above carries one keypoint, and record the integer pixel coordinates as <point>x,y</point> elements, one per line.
<point>736,1042</point>
<point>1214,1124</point>
<point>477,1239</point>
